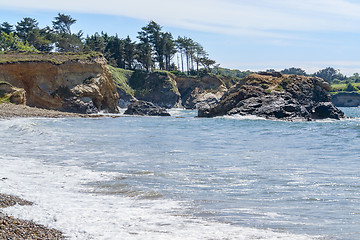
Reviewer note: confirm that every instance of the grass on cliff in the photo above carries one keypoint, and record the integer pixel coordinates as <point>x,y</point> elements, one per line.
<point>121,78</point>
<point>343,86</point>
<point>51,57</point>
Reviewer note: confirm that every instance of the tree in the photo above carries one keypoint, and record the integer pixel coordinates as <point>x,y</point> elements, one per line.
<point>65,40</point>
<point>293,70</point>
<point>62,23</point>
<point>200,53</point>
<point>145,50</point>
<point>95,43</point>
<point>25,27</point>
<point>114,51</point>
<point>207,63</point>
<point>40,39</point>
<point>144,55</point>
<point>6,28</point>
<point>328,74</point>
<point>129,52</point>
<point>152,34</point>
<point>354,78</point>
<point>11,42</point>
<point>169,49</point>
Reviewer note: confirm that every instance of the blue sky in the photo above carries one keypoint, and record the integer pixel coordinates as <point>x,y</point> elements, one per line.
<point>242,34</point>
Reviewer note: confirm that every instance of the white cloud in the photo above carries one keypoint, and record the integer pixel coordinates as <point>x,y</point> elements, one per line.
<point>268,18</point>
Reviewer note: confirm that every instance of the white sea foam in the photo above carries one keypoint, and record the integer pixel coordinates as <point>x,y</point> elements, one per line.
<point>244,117</point>
<point>63,200</point>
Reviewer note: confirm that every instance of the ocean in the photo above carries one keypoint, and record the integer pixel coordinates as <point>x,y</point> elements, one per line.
<point>182,177</point>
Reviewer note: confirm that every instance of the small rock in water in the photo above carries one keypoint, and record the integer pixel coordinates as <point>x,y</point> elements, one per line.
<point>145,109</point>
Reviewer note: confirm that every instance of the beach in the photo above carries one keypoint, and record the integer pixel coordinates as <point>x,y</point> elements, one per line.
<point>13,228</point>
<point>9,110</point>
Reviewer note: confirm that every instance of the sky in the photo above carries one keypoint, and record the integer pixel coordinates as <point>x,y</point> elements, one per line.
<point>239,34</point>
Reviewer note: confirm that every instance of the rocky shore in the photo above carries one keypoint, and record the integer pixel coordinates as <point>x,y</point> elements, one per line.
<point>9,110</point>
<point>13,228</point>
<point>277,96</point>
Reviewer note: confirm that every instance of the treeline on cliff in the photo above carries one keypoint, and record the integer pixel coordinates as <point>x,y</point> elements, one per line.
<point>154,49</point>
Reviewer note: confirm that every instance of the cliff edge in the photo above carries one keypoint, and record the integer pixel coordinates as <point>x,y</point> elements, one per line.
<point>80,83</point>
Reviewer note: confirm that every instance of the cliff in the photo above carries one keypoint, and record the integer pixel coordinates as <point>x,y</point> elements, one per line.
<point>202,92</point>
<point>158,87</point>
<point>66,82</point>
<point>346,99</point>
<point>277,96</point>
<point>164,89</point>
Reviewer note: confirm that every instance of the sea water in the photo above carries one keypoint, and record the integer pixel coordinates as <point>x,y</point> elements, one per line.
<point>182,177</point>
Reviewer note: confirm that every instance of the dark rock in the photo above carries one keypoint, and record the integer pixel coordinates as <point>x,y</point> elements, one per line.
<point>273,74</point>
<point>76,105</point>
<point>277,96</point>
<point>124,98</point>
<point>158,87</point>
<point>326,110</point>
<point>145,108</point>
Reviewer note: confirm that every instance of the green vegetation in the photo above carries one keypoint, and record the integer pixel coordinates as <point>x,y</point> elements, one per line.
<point>155,49</point>
<point>346,87</point>
<point>53,57</point>
<point>293,70</point>
<point>4,98</point>
<point>230,72</point>
<point>121,78</point>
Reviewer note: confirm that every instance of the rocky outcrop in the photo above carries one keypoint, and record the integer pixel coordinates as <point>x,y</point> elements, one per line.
<point>346,99</point>
<point>202,92</point>
<point>277,96</point>
<point>83,86</point>
<point>145,108</point>
<point>158,87</point>
<point>9,93</point>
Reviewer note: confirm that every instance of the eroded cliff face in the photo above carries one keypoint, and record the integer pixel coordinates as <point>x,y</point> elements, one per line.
<point>158,87</point>
<point>74,86</point>
<point>346,99</point>
<point>202,92</point>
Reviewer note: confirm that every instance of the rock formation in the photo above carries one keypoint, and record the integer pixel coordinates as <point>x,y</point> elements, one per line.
<point>158,87</point>
<point>277,96</point>
<point>145,108</point>
<point>202,92</point>
<point>346,99</point>
<point>82,85</point>
<point>9,93</point>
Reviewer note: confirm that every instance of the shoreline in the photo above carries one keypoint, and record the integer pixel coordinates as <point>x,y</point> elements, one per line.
<point>10,110</point>
<point>14,228</point>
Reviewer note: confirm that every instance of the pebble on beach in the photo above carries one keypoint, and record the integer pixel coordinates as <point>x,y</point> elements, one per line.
<point>13,228</point>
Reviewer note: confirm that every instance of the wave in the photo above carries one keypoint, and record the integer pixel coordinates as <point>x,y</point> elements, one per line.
<point>65,200</point>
